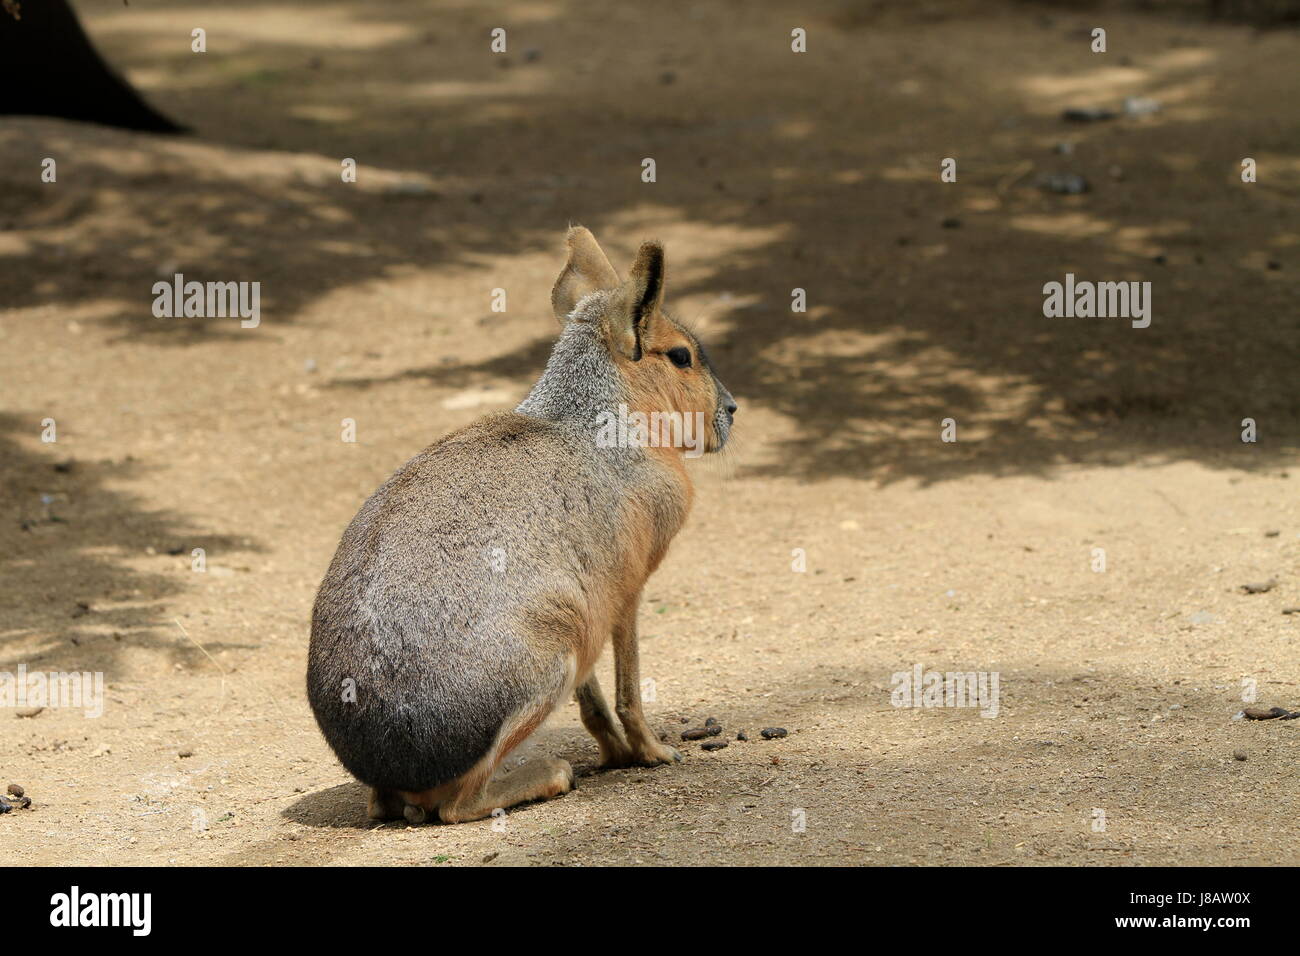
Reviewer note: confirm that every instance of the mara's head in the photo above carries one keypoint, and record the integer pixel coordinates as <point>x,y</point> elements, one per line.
<point>617,333</point>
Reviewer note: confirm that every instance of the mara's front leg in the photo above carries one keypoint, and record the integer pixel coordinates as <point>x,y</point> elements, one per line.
<point>599,722</point>
<point>644,746</point>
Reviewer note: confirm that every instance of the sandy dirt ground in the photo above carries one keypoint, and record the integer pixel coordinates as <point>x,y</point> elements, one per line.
<point>1114,742</point>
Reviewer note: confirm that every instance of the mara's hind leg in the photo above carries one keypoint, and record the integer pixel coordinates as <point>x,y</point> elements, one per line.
<point>471,797</point>
<point>476,793</point>
<point>385,804</point>
<point>541,778</point>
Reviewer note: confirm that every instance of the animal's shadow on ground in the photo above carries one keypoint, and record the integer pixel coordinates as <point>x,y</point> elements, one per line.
<point>344,806</point>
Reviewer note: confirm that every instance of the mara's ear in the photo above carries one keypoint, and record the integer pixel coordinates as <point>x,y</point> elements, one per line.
<point>587,271</point>
<point>638,300</point>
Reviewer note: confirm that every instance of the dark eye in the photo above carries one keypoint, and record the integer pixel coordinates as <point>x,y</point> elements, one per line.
<point>680,357</point>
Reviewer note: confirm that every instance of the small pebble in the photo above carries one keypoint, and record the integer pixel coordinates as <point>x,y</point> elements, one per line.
<point>1140,105</point>
<point>741,736</point>
<point>1239,755</point>
<point>713,745</point>
<point>28,711</point>
<point>5,807</point>
<point>1259,587</point>
<point>772,733</point>
<point>1066,184</point>
<point>1087,115</point>
<point>711,722</point>
<point>698,733</point>
<point>16,790</point>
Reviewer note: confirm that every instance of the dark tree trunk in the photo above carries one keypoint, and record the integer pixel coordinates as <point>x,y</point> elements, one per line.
<point>49,68</point>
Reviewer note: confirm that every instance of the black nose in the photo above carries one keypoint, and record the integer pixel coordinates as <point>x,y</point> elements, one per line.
<point>731,408</point>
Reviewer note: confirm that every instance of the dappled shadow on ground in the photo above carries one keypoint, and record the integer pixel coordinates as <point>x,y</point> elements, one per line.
<point>70,546</point>
<point>924,298</point>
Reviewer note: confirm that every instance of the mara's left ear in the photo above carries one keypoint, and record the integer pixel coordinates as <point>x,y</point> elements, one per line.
<point>638,301</point>
<point>586,271</point>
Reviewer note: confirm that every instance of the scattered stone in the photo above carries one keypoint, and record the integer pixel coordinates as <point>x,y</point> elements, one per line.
<point>667,77</point>
<point>28,711</point>
<point>1239,755</point>
<point>1076,115</point>
<point>532,55</point>
<point>699,733</point>
<point>711,722</point>
<point>952,222</point>
<point>1065,184</point>
<point>1271,534</point>
<point>1140,106</point>
<point>81,610</point>
<point>714,745</point>
<point>741,736</point>
<point>1274,265</point>
<point>185,753</point>
<point>1291,610</point>
<point>16,790</point>
<point>491,856</point>
<point>1259,587</point>
<point>5,806</point>
<point>773,733</point>
<point>64,467</point>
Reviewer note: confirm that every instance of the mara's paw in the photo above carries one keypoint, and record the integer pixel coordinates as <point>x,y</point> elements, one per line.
<point>385,805</point>
<point>615,757</point>
<point>654,754</point>
<point>559,779</point>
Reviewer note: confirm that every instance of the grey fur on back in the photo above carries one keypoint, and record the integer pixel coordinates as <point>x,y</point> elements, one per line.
<point>426,616</point>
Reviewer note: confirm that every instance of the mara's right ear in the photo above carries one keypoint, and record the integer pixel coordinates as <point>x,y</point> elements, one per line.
<point>587,271</point>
